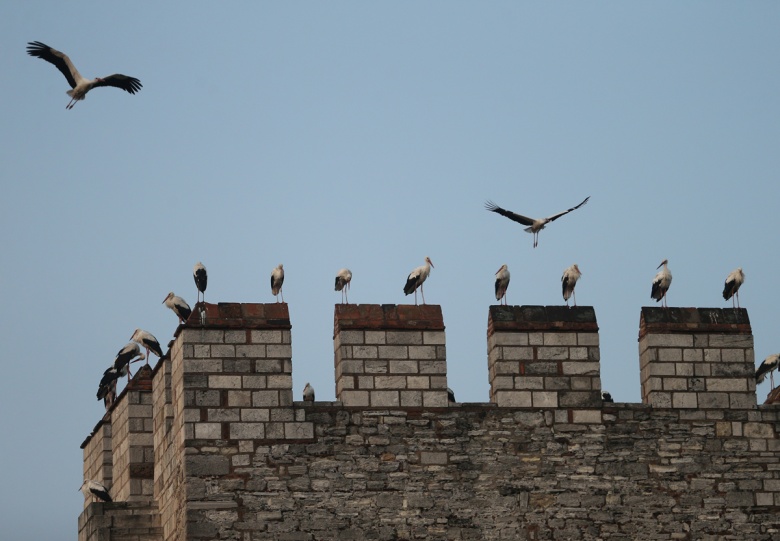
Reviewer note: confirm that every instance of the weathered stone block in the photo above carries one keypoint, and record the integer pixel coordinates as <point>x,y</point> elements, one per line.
<point>269,336</point>
<point>684,400</point>
<point>422,352</point>
<point>512,399</point>
<point>544,399</point>
<point>247,431</point>
<point>404,337</point>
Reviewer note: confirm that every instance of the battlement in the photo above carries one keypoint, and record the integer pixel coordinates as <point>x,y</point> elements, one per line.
<point>214,443</point>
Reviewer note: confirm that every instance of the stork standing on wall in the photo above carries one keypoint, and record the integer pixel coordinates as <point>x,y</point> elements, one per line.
<point>148,341</point>
<point>179,307</point>
<point>416,279</point>
<point>93,489</point>
<point>277,279</point>
<point>107,388</point>
<point>308,393</point>
<point>661,283</point>
<point>78,84</point>
<point>568,281</point>
<point>343,278</point>
<point>767,366</point>
<point>536,225</point>
<point>734,281</point>
<point>201,279</point>
<point>502,283</point>
<point>126,356</point>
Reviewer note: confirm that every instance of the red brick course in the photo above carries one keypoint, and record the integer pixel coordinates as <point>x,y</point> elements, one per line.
<point>427,317</point>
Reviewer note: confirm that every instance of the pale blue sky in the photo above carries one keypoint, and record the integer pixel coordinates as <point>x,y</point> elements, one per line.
<point>362,135</point>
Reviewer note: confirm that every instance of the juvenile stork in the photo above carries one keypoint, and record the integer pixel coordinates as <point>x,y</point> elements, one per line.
<point>416,279</point>
<point>502,283</point>
<point>535,225</point>
<point>148,341</point>
<point>308,393</point>
<point>734,281</point>
<point>179,307</point>
<point>343,278</point>
<point>93,489</point>
<point>78,84</point>
<point>277,279</point>
<point>568,281</point>
<point>201,279</point>
<point>661,283</point>
<point>767,366</point>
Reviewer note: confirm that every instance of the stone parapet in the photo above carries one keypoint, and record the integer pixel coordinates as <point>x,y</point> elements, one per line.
<point>120,521</point>
<point>697,358</point>
<point>390,356</point>
<point>98,455</point>
<point>543,357</point>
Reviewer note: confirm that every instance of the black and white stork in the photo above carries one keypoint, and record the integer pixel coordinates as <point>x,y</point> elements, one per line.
<point>93,489</point>
<point>661,283</point>
<point>148,341</point>
<point>201,279</point>
<point>734,281</point>
<point>535,225</point>
<point>78,84</point>
<point>416,278</point>
<point>343,278</point>
<point>179,307</point>
<point>502,283</point>
<point>568,281</point>
<point>277,279</point>
<point>126,356</point>
<point>767,366</point>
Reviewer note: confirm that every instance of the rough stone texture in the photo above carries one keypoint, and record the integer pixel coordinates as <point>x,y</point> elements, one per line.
<point>697,358</point>
<point>120,521</point>
<point>539,355</point>
<point>99,456</point>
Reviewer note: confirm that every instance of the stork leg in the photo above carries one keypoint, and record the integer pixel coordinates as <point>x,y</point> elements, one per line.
<point>415,296</point>
<point>281,292</point>
<point>422,292</point>
<point>771,379</point>
<point>574,294</point>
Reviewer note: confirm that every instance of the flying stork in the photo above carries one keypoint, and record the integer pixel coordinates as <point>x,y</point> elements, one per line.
<point>308,393</point>
<point>535,225</point>
<point>661,283</point>
<point>767,366</point>
<point>78,84</point>
<point>93,489</point>
<point>179,307</point>
<point>277,279</point>
<point>568,281</point>
<point>148,341</point>
<point>201,279</point>
<point>343,278</point>
<point>416,279</point>
<point>734,281</point>
<point>502,283</point>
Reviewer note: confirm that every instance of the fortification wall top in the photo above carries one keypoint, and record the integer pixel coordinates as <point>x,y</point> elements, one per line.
<point>541,318</point>
<point>693,320</point>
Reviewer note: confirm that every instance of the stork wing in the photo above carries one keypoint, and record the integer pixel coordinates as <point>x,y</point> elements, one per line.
<point>519,218</point>
<point>128,84</point>
<point>59,59</point>
<point>556,216</point>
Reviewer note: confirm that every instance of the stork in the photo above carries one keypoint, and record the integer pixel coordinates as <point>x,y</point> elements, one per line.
<point>734,281</point>
<point>450,395</point>
<point>768,366</point>
<point>126,356</point>
<point>661,283</point>
<point>502,283</point>
<point>107,388</point>
<point>93,489</point>
<point>343,278</point>
<point>201,279</point>
<point>416,279</point>
<point>179,307</point>
<point>308,393</point>
<point>78,84</point>
<point>568,281</point>
<point>535,225</point>
<point>606,397</point>
<point>148,341</point>
<point>277,279</point>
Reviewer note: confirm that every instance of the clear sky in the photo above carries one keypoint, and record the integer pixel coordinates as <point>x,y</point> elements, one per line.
<point>325,135</point>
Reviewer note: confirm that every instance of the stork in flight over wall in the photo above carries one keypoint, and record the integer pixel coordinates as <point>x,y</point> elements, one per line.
<point>535,225</point>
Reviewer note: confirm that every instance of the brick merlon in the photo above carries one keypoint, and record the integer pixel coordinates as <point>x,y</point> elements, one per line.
<point>236,315</point>
<point>541,318</point>
<point>426,317</point>
<point>657,320</point>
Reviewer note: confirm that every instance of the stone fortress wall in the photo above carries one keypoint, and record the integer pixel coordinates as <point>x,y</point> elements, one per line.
<point>211,445</point>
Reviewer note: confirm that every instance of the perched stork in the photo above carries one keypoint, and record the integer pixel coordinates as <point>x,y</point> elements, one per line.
<point>126,356</point>
<point>78,84</point>
<point>661,283</point>
<point>535,225</point>
<point>734,281</point>
<point>277,279</point>
<point>179,307</point>
<point>201,279</point>
<point>308,393</point>
<point>767,366</point>
<point>93,489</point>
<point>502,282</point>
<point>107,388</point>
<point>148,341</point>
<point>568,281</point>
<point>343,278</point>
<point>416,279</point>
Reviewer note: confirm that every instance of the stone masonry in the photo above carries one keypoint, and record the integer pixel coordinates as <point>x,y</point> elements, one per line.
<point>230,463</point>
